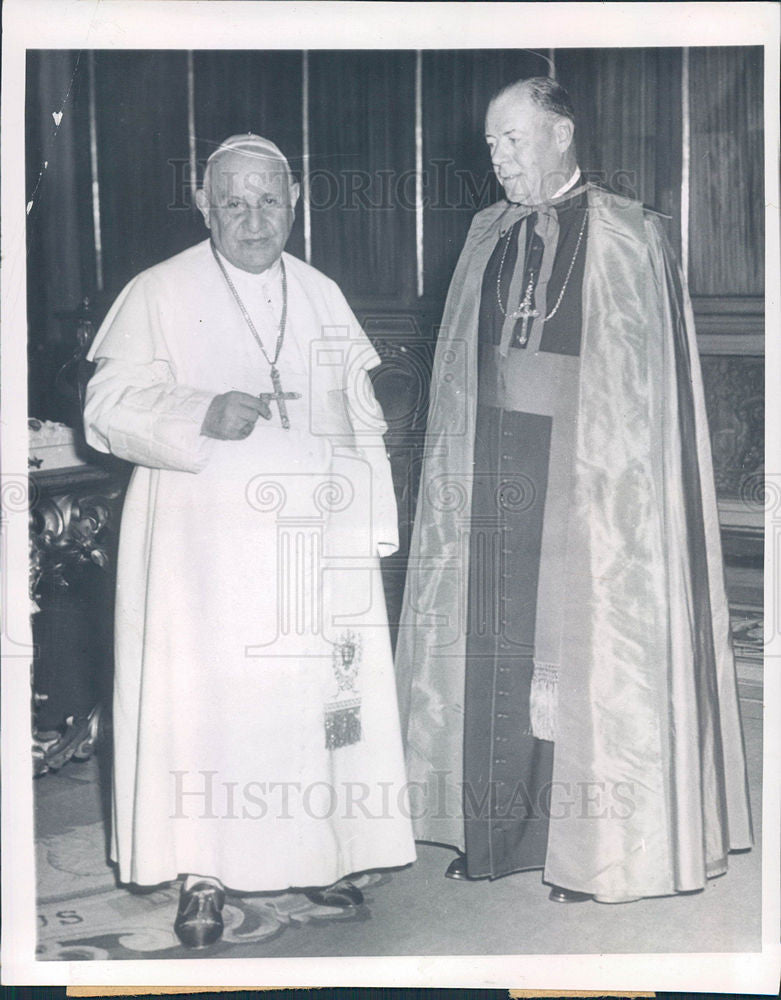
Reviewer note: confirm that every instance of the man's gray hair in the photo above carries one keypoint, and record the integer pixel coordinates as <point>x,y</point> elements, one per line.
<point>545,93</point>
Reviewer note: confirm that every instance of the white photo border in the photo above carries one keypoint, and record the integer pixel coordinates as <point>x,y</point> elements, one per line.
<point>224,24</point>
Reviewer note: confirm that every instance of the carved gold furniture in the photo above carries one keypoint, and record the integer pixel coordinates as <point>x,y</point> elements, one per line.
<point>74,514</point>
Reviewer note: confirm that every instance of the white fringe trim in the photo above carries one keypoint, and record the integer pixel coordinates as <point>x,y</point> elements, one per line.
<point>544,701</point>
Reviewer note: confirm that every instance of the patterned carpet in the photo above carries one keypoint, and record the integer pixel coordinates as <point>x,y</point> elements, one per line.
<point>83,914</point>
<point>411,911</point>
<point>747,633</point>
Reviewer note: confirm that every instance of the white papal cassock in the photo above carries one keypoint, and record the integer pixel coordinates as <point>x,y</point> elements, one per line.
<point>248,571</point>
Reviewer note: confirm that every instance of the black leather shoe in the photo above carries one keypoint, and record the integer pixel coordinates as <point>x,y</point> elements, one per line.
<point>342,893</point>
<point>199,920</point>
<point>457,869</point>
<point>560,895</point>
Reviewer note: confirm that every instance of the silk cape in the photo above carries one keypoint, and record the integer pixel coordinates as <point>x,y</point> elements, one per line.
<point>649,789</point>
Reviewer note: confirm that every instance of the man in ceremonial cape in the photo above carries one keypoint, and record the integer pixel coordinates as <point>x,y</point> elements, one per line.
<point>566,680</point>
<point>257,742</point>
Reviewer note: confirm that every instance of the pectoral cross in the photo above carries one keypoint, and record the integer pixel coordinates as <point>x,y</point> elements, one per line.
<point>525,312</point>
<point>279,397</point>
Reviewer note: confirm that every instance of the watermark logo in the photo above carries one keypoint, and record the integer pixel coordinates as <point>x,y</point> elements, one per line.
<point>208,795</point>
<point>442,186</point>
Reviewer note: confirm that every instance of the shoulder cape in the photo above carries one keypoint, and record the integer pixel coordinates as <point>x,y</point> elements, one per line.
<point>648,711</point>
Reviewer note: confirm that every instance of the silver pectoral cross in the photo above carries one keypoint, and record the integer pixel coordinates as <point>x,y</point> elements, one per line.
<point>525,312</point>
<point>279,397</point>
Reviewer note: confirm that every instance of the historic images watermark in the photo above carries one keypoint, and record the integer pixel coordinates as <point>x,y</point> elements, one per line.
<point>442,186</point>
<point>761,493</point>
<point>19,498</point>
<point>330,525</point>
<point>205,794</point>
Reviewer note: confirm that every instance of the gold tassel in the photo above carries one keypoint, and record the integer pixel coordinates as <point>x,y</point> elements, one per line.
<point>342,723</point>
<point>544,701</point>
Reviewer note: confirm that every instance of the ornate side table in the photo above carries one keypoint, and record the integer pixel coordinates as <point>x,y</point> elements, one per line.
<point>74,514</point>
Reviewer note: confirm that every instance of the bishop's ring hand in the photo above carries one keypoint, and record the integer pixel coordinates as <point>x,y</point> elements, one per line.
<point>233,415</point>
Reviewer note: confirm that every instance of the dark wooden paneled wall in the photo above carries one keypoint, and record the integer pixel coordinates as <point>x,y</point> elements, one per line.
<point>727,206</point>
<point>628,108</point>
<point>143,134</point>
<point>362,140</point>
<point>459,180</point>
<point>60,250</point>
<point>249,92</point>
<point>362,144</point>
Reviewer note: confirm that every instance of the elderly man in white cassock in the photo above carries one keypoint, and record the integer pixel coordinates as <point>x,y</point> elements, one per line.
<point>256,735</point>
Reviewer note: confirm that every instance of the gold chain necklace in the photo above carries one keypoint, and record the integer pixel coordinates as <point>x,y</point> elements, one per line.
<point>525,306</point>
<point>278,396</point>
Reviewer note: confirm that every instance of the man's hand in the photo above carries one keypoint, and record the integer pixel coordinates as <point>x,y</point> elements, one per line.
<point>232,416</point>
